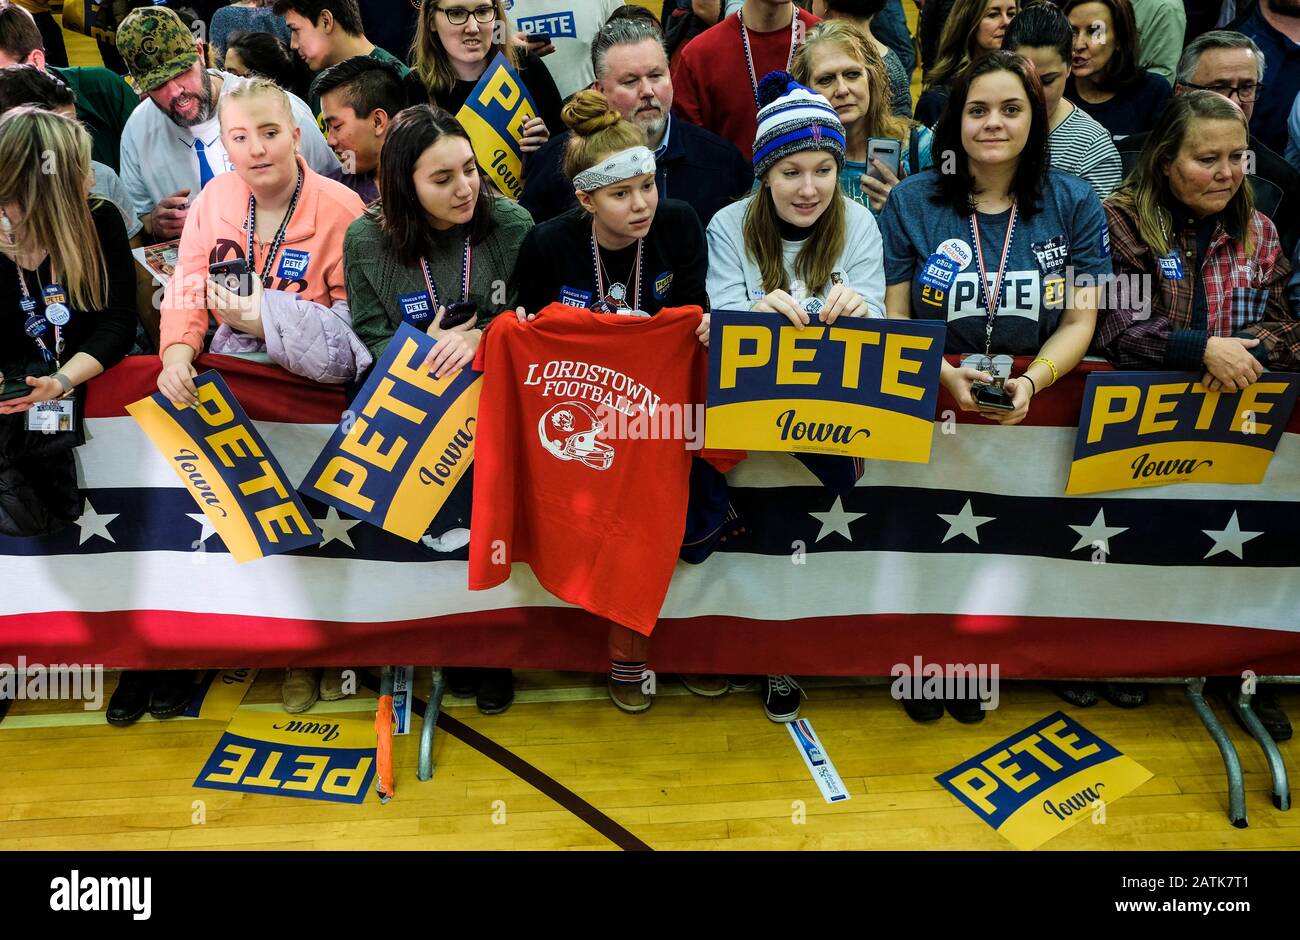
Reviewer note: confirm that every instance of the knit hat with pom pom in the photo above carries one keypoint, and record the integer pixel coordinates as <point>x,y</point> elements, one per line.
<point>793,118</point>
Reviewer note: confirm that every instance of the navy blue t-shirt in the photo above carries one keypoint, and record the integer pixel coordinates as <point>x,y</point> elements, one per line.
<point>1134,108</point>
<point>931,246</point>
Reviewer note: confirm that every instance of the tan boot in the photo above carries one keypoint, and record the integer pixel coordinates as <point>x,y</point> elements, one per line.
<point>300,690</point>
<point>331,684</point>
<point>629,696</point>
<point>707,686</point>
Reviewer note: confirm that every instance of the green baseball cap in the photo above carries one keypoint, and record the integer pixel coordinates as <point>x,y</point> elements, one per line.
<point>156,45</point>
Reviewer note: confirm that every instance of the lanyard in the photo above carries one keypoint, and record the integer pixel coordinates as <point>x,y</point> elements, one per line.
<point>991,309</point>
<point>617,292</point>
<point>749,55</point>
<point>465,261</point>
<point>278,241</point>
<point>56,313</point>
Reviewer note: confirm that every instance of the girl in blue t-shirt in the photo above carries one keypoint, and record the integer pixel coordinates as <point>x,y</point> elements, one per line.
<point>840,63</point>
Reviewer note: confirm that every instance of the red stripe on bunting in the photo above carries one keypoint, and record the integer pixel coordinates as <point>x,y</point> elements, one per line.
<point>266,392</point>
<point>570,639</point>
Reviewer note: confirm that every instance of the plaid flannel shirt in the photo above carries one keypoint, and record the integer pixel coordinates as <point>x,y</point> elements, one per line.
<point>1244,297</point>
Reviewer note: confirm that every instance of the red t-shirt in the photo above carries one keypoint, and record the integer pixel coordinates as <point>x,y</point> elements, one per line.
<point>599,519</point>
<point>711,84</point>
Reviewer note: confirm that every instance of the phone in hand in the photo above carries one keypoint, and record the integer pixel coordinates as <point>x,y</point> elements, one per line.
<point>234,276</point>
<point>458,313</point>
<point>17,387</point>
<point>538,37</point>
<point>992,396</point>
<point>887,150</point>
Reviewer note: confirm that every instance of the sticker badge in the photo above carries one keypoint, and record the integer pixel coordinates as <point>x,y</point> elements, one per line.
<point>663,283</point>
<point>293,264</point>
<point>958,251</point>
<point>1105,240</point>
<point>1051,255</point>
<point>756,294</point>
<point>939,271</point>
<point>416,309</point>
<point>572,297</point>
<point>1171,266</point>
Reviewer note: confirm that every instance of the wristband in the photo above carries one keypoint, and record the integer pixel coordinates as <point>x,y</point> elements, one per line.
<point>1051,365</point>
<point>65,382</point>
<point>1027,377</point>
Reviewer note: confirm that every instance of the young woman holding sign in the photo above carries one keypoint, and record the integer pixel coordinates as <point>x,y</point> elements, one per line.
<point>798,246</point>
<point>262,252</point>
<point>989,248</point>
<point>439,247</point>
<point>456,41</point>
<point>838,62</point>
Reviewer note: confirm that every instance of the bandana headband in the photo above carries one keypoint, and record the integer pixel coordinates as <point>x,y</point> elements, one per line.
<point>624,165</point>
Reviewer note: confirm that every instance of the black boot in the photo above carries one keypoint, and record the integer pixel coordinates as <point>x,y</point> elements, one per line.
<point>172,691</point>
<point>130,699</point>
<point>496,692</point>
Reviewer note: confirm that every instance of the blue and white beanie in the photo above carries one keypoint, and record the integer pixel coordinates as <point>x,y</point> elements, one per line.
<point>793,118</point>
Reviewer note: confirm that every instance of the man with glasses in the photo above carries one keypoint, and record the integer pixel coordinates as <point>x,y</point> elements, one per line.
<point>1231,64</point>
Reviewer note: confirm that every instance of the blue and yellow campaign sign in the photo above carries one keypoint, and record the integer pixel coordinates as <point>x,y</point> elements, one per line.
<point>859,388</point>
<point>1043,780</point>
<point>1142,429</point>
<point>226,466</point>
<point>312,758</point>
<point>405,441</point>
<point>494,115</point>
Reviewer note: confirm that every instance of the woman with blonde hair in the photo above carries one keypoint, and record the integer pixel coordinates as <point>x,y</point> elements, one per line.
<point>456,40</point>
<point>973,28</point>
<point>622,250</point>
<point>840,63</point>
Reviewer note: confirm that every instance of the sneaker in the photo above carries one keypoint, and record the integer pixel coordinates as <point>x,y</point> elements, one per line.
<point>965,710</point>
<point>331,685</point>
<point>1078,694</point>
<point>707,686</point>
<point>781,698</point>
<point>300,690</point>
<point>923,710</point>
<point>496,691</point>
<point>1125,694</point>
<point>629,696</point>
<point>742,683</point>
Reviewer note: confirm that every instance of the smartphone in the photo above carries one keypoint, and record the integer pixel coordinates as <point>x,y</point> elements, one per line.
<point>234,276</point>
<point>17,387</point>
<point>459,312</point>
<point>888,151</point>
<point>538,37</point>
<point>992,395</point>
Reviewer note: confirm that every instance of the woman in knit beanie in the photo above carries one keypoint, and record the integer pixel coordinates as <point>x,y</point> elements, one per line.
<point>796,246</point>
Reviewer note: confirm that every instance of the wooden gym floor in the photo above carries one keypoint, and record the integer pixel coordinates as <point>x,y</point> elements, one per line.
<point>691,773</point>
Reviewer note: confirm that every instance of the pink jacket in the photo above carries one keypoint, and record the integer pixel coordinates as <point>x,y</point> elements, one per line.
<point>304,309</point>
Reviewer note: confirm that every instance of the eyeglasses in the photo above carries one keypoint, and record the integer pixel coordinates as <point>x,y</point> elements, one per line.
<point>1247,92</point>
<point>459,16</point>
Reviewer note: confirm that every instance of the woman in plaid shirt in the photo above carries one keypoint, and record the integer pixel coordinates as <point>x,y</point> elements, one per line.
<point>1212,272</point>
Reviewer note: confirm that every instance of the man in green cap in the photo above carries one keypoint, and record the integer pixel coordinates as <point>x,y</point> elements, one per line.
<point>171,146</point>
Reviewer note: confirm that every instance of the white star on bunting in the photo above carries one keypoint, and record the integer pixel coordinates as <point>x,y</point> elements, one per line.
<point>202,519</point>
<point>964,523</point>
<point>93,523</point>
<point>1098,531</point>
<point>1230,538</point>
<point>335,527</point>
<point>836,520</point>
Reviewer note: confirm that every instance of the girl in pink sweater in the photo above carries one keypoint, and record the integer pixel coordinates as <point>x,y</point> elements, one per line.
<point>287,224</point>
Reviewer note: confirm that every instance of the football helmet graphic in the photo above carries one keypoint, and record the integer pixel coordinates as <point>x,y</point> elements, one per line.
<point>568,430</point>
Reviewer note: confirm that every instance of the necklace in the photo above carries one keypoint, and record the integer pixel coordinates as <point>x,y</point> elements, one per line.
<point>615,298</point>
<point>278,241</point>
<point>991,308</point>
<point>749,55</point>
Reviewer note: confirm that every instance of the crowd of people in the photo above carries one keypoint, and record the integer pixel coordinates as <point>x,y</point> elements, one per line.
<point>727,154</point>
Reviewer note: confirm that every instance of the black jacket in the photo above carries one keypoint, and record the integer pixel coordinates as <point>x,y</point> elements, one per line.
<point>1276,185</point>
<point>700,168</point>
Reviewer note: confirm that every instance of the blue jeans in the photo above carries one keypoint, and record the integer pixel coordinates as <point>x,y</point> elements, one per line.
<point>890,27</point>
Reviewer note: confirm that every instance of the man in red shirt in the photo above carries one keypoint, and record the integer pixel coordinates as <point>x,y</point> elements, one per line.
<point>716,75</point>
